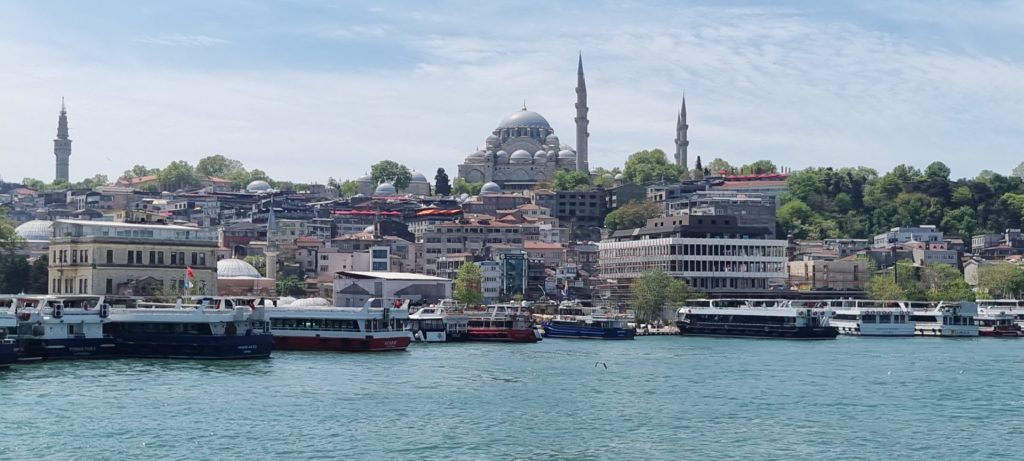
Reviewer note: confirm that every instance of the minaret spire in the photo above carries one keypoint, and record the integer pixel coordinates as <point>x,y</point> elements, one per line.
<point>62,144</point>
<point>582,136</point>
<point>681,141</point>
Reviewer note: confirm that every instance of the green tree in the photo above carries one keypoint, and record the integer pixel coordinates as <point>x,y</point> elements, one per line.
<point>1001,280</point>
<point>604,177</point>
<point>390,171</point>
<point>655,290</point>
<point>9,240</point>
<point>759,167</point>
<point>291,286</point>
<point>943,282</point>
<point>649,166</point>
<point>796,218</point>
<point>571,180</point>
<point>218,166</point>
<point>14,273</point>
<point>139,171</point>
<point>258,262</point>
<point>882,286</point>
<point>460,186</point>
<point>442,186</point>
<point>179,174</point>
<point>39,276</point>
<point>631,215</point>
<point>467,285</point>
<point>719,167</point>
<point>348,188</point>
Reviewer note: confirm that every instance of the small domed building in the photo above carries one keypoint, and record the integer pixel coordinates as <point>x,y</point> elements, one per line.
<point>258,186</point>
<point>235,277</point>
<point>418,185</point>
<point>36,234</point>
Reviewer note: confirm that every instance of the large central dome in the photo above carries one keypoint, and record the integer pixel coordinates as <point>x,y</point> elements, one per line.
<point>525,119</point>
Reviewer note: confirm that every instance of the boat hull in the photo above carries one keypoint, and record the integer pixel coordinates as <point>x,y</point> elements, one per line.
<point>31,349</point>
<point>322,343</point>
<point>874,329</point>
<point>8,354</point>
<point>687,329</point>
<point>194,347</point>
<point>573,332</point>
<point>510,335</point>
<point>1000,333</point>
<point>946,330</point>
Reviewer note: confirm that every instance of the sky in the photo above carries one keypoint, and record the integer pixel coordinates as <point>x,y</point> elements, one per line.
<point>310,89</point>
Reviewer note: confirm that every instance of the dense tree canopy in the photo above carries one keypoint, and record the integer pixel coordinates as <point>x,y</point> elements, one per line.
<point>934,282</point>
<point>631,215</point>
<point>571,180</point>
<point>468,285</point>
<point>218,166</point>
<point>649,166</point>
<point>442,186</point>
<point>391,171</point>
<point>655,290</point>
<point>858,202</point>
<point>177,175</point>
<point>460,186</point>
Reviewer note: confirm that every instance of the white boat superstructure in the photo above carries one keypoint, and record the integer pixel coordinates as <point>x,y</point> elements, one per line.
<point>997,321</point>
<point>438,324</point>
<point>872,318</point>
<point>954,319</point>
<point>1014,307</point>
<point>221,320</point>
<point>376,326</point>
<point>61,326</point>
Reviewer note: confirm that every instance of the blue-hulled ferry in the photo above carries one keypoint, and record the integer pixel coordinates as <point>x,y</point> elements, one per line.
<point>52,327</point>
<point>211,329</point>
<point>576,321</point>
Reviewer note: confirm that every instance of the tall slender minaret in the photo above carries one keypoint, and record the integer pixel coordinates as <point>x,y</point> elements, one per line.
<point>62,145</point>
<point>681,142</point>
<point>582,135</point>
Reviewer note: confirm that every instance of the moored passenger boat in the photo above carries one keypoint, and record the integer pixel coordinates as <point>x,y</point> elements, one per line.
<point>1014,307</point>
<point>576,321</point>
<point>753,319</point>
<point>994,321</point>
<point>8,327</point>
<point>508,322</point>
<point>438,323</point>
<point>375,327</point>
<point>54,327</point>
<point>871,318</point>
<point>946,319</point>
<point>207,330</point>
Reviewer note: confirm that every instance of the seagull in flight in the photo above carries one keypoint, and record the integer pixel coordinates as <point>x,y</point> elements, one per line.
<point>601,363</point>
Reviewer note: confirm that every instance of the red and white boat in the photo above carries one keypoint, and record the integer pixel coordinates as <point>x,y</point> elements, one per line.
<point>313,326</point>
<point>503,322</point>
<point>997,322</point>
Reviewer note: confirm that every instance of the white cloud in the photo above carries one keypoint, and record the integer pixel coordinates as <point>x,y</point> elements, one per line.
<point>759,83</point>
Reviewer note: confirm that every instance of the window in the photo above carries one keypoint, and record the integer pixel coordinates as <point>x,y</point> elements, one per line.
<point>138,257</point>
<point>131,256</point>
<point>181,258</point>
<point>110,256</point>
<point>160,258</point>
<point>152,258</point>
<point>110,286</point>
<point>195,258</point>
<point>174,258</point>
<point>202,259</point>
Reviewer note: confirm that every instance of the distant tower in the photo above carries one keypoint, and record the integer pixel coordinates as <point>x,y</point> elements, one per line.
<point>62,145</point>
<point>581,121</point>
<point>681,142</point>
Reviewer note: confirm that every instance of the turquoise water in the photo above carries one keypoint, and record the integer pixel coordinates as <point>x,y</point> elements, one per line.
<point>659,398</point>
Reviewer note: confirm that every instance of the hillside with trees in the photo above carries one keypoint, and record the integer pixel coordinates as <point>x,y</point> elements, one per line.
<point>859,203</point>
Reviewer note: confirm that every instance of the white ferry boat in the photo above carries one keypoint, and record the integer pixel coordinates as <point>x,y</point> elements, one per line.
<point>206,330</point>
<point>1014,307</point>
<point>439,323</point>
<point>995,321</point>
<point>872,318</point>
<point>376,326</point>
<point>946,319</point>
<point>753,319</point>
<point>61,327</point>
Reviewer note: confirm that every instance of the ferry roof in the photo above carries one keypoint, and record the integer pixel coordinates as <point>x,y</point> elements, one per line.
<point>390,276</point>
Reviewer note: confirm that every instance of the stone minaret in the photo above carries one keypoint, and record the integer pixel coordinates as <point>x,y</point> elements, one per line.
<point>62,145</point>
<point>581,121</point>
<point>681,142</point>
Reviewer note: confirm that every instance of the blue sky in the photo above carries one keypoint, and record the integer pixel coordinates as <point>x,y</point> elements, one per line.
<point>308,90</point>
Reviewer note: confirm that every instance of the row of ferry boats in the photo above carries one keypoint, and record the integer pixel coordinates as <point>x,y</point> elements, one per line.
<point>827,319</point>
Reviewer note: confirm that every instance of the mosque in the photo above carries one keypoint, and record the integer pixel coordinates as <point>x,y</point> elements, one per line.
<point>524,150</point>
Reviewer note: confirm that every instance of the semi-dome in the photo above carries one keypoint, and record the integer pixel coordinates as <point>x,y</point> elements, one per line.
<point>520,156</point>
<point>365,179</point>
<point>619,177</point>
<point>258,186</point>
<point>490,188</point>
<point>35,230</point>
<point>567,154</point>
<point>475,157</point>
<point>525,119</point>
<point>501,157</point>
<point>231,268</point>
<point>385,188</point>
<point>418,177</point>
<point>551,140</point>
